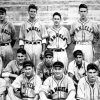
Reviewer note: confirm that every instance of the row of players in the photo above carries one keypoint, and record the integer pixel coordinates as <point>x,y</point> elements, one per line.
<point>49,81</point>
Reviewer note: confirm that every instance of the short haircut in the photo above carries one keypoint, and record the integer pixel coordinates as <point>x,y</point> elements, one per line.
<point>56,13</point>
<point>83,6</point>
<point>21,50</point>
<point>92,66</point>
<point>33,7</point>
<point>77,52</point>
<point>3,10</point>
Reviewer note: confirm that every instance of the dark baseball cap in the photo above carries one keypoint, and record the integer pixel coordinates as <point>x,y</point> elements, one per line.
<point>27,63</point>
<point>58,64</point>
<point>48,52</point>
<point>3,10</point>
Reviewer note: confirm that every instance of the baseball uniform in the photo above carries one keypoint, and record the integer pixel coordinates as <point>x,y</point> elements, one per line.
<point>29,88</point>
<point>84,33</point>
<point>32,35</point>
<point>1,64</point>
<point>58,41</point>
<point>59,89</point>
<point>7,34</point>
<point>12,68</point>
<point>86,91</point>
<point>2,88</point>
<point>78,73</point>
<point>43,70</point>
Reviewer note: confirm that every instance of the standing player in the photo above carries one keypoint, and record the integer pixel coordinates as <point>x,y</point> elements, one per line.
<point>44,68</point>
<point>58,86</point>
<point>28,84</point>
<point>85,33</point>
<point>7,37</point>
<point>77,67</point>
<point>33,35</point>
<point>89,86</point>
<point>59,39</point>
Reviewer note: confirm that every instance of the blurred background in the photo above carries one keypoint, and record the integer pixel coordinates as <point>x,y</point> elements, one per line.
<point>17,14</point>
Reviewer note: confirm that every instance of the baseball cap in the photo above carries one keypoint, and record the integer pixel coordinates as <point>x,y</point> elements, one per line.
<point>77,52</point>
<point>58,64</point>
<point>48,52</point>
<point>27,63</point>
<point>3,10</point>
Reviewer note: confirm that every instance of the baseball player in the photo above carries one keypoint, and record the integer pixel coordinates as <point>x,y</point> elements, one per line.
<point>14,67</point>
<point>89,86</point>
<point>59,39</point>
<point>58,86</point>
<point>44,68</point>
<point>28,84</point>
<point>33,35</point>
<point>85,33</point>
<point>7,37</point>
<point>77,67</point>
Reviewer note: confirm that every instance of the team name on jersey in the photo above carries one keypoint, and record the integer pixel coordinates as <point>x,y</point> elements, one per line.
<point>28,85</point>
<point>64,89</point>
<point>33,28</point>
<point>57,35</point>
<point>5,31</point>
<point>87,28</point>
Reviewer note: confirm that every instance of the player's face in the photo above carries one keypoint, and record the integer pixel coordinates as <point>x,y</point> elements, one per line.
<point>21,58</point>
<point>48,59</point>
<point>32,13</point>
<point>28,71</point>
<point>79,59</point>
<point>2,16</point>
<point>92,73</point>
<point>83,13</point>
<point>58,71</point>
<point>56,20</point>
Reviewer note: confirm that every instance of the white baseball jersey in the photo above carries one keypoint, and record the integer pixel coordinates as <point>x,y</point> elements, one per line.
<point>32,35</point>
<point>84,33</point>
<point>59,89</point>
<point>86,91</point>
<point>29,88</point>
<point>58,39</point>
<point>73,69</point>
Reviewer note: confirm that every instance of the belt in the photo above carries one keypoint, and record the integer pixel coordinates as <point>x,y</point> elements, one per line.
<point>35,42</point>
<point>4,44</point>
<point>57,50</point>
<point>83,42</point>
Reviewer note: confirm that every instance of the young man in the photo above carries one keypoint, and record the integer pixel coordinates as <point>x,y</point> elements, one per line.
<point>33,35</point>
<point>28,84</point>
<point>89,86</point>
<point>7,37</point>
<point>77,67</point>
<point>15,67</point>
<point>85,33</point>
<point>59,39</point>
<point>58,86</point>
<point>44,68</point>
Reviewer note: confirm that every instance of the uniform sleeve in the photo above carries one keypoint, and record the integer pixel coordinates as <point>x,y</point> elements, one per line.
<point>72,29</point>
<point>68,36</point>
<point>70,68</point>
<point>44,33</point>
<point>21,35</point>
<point>1,64</point>
<point>17,82</point>
<point>2,85</point>
<point>38,85</point>
<point>80,90</point>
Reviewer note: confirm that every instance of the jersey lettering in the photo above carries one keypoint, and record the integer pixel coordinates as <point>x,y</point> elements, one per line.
<point>33,28</point>
<point>28,85</point>
<point>87,28</point>
<point>5,31</point>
